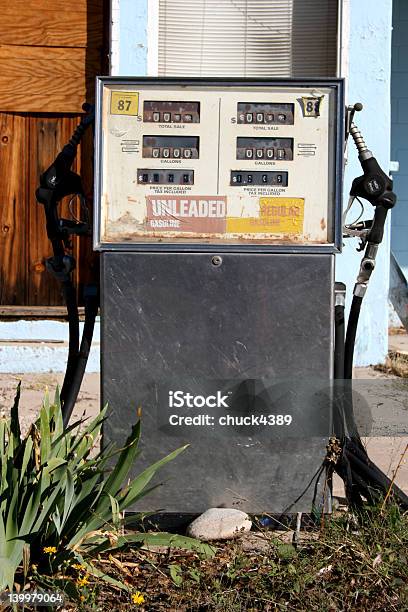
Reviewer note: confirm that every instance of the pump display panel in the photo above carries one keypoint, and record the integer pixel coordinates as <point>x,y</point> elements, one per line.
<point>192,164</point>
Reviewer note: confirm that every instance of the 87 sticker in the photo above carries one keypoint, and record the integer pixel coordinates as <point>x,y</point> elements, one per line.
<point>124,103</point>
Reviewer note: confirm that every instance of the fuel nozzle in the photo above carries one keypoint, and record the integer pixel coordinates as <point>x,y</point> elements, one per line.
<point>375,185</point>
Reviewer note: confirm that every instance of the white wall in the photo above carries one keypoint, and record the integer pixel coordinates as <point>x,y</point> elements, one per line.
<point>368,51</point>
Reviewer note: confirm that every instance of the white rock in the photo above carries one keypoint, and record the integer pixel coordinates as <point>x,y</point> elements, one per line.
<point>219,524</point>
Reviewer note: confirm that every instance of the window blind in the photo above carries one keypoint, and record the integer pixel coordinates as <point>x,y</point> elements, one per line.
<point>245,38</point>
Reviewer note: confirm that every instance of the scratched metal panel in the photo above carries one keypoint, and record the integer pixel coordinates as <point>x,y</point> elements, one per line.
<point>256,327</point>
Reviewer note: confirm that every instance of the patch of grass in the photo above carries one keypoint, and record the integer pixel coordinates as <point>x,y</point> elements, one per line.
<point>362,568</point>
<point>396,364</point>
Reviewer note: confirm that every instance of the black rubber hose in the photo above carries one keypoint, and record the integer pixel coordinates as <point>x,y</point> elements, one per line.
<point>352,325</point>
<point>338,421</point>
<point>351,336</point>
<point>91,301</point>
<point>372,496</point>
<point>373,476</point>
<point>339,329</point>
<point>73,347</point>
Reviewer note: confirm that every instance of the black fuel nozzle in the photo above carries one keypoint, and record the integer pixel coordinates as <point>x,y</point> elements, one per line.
<point>59,181</point>
<point>59,178</point>
<point>374,185</point>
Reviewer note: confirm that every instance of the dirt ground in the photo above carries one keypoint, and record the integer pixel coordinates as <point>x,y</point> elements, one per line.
<point>386,396</point>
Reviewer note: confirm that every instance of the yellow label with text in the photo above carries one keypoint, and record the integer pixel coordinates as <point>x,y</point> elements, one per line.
<point>276,216</point>
<point>124,103</point>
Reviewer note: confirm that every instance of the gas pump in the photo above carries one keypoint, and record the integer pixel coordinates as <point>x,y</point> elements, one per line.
<point>218,208</point>
<point>218,214</point>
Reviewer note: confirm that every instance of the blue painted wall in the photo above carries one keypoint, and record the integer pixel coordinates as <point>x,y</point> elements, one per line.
<point>133,37</point>
<point>369,51</point>
<point>399,131</point>
<point>46,349</point>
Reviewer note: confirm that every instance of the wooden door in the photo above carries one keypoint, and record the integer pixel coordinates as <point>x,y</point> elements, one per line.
<point>50,54</point>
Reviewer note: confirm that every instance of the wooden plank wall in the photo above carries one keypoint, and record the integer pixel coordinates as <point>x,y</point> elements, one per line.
<point>50,54</point>
<point>28,146</point>
<point>14,154</point>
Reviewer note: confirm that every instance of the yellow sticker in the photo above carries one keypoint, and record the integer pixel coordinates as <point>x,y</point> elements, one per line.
<point>276,216</point>
<point>124,103</point>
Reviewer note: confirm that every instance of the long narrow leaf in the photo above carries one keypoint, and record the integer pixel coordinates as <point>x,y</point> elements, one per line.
<point>14,418</point>
<point>96,519</point>
<point>3,457</point>
<point>78,517</point>
<point>124,463</point>
<point>115,512</point>
<point>56,519</point>
<point>3,540</point>
<point>45,435</point>
<point>67,431</point>
<point>28,448</point>
<point>170,540</point>
<point>56,417</point>
<point>139,483</point>
<point>91,569</point>
<point>7,571</point>
<point>94,425</point>
<point>48,507</point>
<point>69,495</point>
<point>12,522</point>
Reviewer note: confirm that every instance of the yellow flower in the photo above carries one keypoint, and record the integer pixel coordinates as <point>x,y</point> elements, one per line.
<point>82,598</point>
<point>78,566</point>
<point>49,549</point>
<point>82,581</point>
<point>137,598</point>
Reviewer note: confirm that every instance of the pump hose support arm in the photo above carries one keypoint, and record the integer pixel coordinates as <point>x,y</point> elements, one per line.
<point>57,182</point>
<point>363,479</point>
